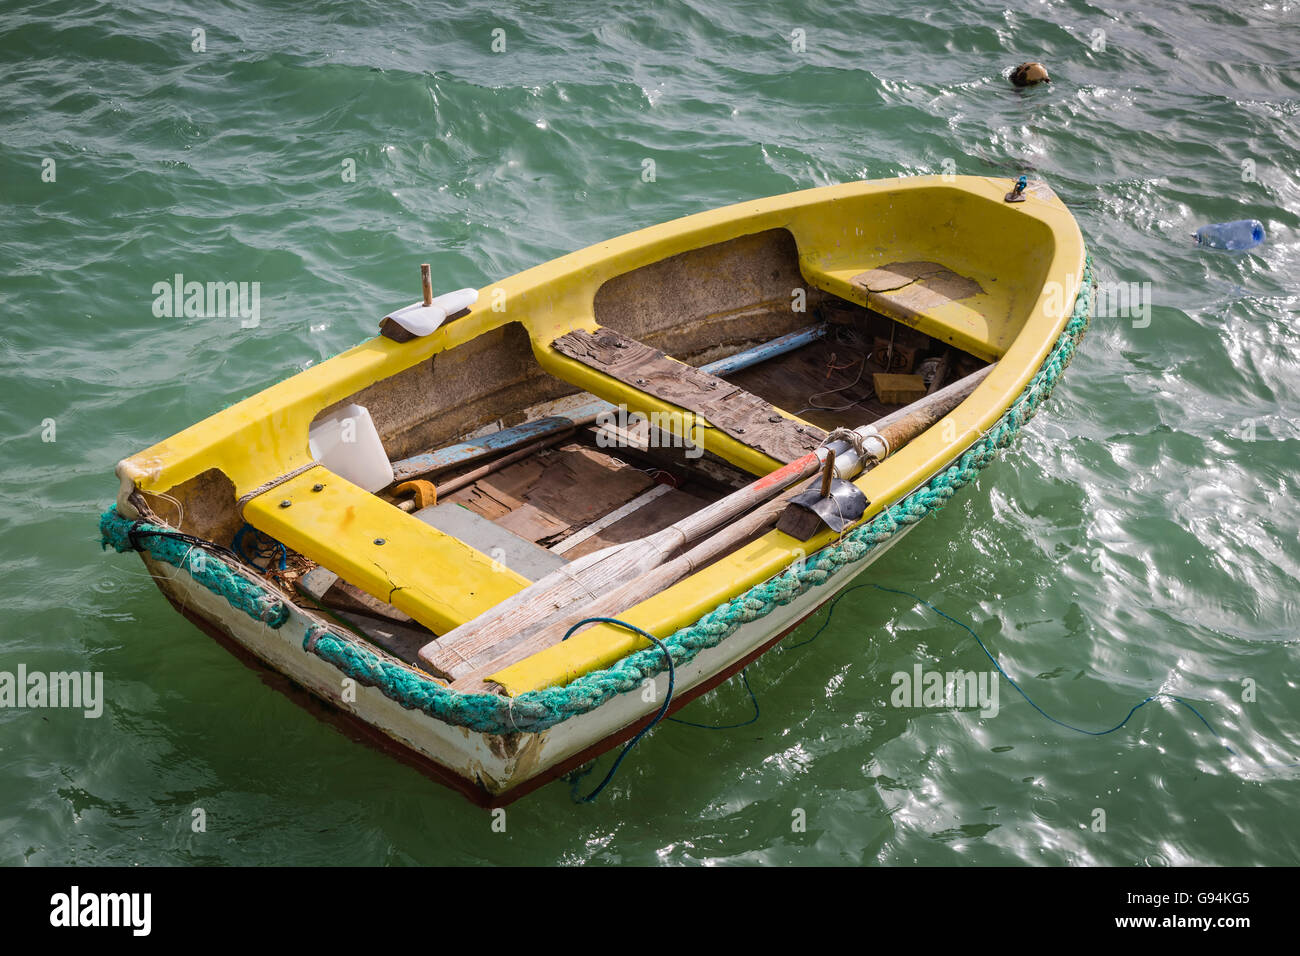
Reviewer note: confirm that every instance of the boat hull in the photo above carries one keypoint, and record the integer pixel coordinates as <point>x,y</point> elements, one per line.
<point>966,271</point>
<point>490,769</point>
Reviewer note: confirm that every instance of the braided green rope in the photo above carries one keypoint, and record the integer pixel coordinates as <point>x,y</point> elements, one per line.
<point>537,710</point>
<point>206,568</point>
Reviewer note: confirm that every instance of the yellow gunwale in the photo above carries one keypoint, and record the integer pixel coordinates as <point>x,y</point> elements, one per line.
<point>265,435</point>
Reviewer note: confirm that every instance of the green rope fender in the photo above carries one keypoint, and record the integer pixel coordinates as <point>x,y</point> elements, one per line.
<point>535,711</point>
<point>205,567</point>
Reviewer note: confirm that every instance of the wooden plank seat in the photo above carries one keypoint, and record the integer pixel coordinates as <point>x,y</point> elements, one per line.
<point>718,404</point>
<point>951,306</point>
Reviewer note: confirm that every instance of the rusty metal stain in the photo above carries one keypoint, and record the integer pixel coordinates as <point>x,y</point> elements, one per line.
<point>505,746</point>
<point>529,755</point>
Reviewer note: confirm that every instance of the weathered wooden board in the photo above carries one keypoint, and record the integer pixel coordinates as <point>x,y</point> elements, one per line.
<point>917,287</point>
<point>729,408</point>
<point>531,523</point>
<point>328,589</point>
<point>581,484</point>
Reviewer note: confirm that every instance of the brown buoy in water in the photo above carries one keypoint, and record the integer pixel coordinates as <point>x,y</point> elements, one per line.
<point>1028,74</point>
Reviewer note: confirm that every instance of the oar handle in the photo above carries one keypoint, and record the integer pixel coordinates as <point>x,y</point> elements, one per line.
<point>788,473</point>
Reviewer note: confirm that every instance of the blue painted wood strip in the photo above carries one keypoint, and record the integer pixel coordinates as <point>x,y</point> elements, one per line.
<point>498,441</point>
<point>768,350</point>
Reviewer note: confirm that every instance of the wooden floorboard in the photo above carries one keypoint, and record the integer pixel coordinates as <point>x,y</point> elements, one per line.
<point>560,491</point>
<point>823,373</point>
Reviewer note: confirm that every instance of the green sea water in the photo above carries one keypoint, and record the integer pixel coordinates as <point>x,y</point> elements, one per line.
<point>1143,537</point>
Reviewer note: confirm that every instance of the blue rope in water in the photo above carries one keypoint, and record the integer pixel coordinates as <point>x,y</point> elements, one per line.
<point>744,679</point>
<point>576,777</point>
<point>987,653</point>
<point>663,709</point>
<point>1030,701</point>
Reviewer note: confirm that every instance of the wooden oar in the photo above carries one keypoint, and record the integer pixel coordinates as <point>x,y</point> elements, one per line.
<point>551,630</point>
<point>589,577</point>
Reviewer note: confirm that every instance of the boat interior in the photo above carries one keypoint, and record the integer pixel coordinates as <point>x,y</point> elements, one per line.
<point>498,453</point>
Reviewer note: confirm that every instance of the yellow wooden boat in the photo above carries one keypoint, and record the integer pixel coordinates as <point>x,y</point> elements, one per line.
<point>632,391</point>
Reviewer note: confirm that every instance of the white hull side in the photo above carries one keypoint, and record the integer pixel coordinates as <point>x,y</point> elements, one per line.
<point>495,763</point>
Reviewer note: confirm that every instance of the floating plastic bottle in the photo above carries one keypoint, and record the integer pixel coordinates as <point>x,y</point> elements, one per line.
<point>1232,236</point>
